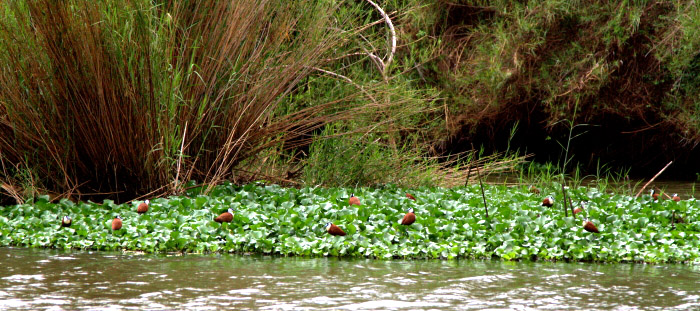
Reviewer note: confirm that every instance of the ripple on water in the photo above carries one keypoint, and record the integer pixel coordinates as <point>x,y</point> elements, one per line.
<point>24,277</point>
<point>247,291</point>
<point>214,301</point>
<point>403,281</point>
<point>268,283</point>
<point>559,276</point>
<point>323,301</point>
<point>133,283</point>
<point>13,303</point>
<point>487,278</point>
<point>280,306</point>
<point>152,294</point>
<point>48,302</point>
<point>391,305</point>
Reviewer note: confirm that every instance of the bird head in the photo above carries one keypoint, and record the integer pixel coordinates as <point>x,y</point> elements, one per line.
<point>66,219</point>
<point>675,195</point>
<point>352,195</point>
<point>550,198</point>
<point>148,202</point>
<point>328,225</point>
<point>651,192</point>
<point>230,211</point>
<point>118,217</point>
<point>410,210</point>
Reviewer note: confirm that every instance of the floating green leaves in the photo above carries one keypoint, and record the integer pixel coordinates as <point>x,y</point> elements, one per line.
<point>450,223</point>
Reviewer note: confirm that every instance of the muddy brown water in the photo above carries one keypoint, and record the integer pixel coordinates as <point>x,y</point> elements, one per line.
<point>40,279</point>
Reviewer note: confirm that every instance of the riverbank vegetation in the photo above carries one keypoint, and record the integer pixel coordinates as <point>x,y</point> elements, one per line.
<point>451,223</point>
<point>122,100</point>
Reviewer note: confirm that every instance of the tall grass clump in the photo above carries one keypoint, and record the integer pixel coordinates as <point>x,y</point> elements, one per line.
<point>120,99</point>
<point>365,159</point>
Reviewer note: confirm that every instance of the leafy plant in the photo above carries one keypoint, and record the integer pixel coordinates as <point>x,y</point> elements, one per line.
<point>450,224</point>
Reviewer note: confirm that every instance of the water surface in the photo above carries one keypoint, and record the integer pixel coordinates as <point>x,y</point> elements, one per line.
<point>686,189</point>
<point>39,279</point>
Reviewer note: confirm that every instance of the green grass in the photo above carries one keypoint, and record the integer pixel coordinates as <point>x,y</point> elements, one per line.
<point>450,224</point>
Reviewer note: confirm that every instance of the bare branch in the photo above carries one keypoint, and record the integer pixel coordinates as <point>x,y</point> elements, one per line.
<point>390,58</point>
<point>346,79</point>
<point>652,179</point>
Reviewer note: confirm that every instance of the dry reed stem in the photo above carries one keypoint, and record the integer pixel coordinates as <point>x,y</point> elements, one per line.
<point>652,179</point>
<point>13,192</point>
<point>179,160</point>
<point>109,116</point>
<point>563,191</point>
<point>483,195</point>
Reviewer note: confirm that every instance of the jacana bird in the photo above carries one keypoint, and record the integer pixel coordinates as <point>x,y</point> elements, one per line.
<point>548,201</point>
<point>408,195</point>
<point>334,230</point>
<point>654,195</point>
<point>354,200</point>
<point>675,197</point>
<point>143,207</point>
<point>66,221</point>
<point>409,218</point>
<point>225,216</point>
<point>580,208</point>
<point>589,226</point>
<point>117,223</point>
<point>534,189</point>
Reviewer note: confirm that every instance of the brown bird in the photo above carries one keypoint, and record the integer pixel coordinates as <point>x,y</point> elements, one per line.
<point>66,221</point>
<point>225,216</point>
<point>548,201</point>
<point>408,195</point>
<point>589,226</point>
<point>143,207</point>
<point>334,230</point>
<point>654,195</point>
<point>579,209</point>
<point>354,200</point>
<point>409,218</point>
<point>117,223</point>
<point>675,197</point>
<point>534,189</point>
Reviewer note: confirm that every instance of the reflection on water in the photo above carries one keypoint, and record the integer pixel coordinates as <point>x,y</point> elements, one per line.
<point>34,279</point>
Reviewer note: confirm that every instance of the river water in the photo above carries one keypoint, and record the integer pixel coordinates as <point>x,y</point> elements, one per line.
<point>40,279</point>
<point>686,189</point>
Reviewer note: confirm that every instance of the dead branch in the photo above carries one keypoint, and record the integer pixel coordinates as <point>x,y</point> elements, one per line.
<point>392,48</point>
<point>346,79</point>
<point>652,179</point>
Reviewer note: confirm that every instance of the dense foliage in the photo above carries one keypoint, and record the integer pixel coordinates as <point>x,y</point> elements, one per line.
<point>144,96</point>
<point>627,70</point>
<point>450,224</point>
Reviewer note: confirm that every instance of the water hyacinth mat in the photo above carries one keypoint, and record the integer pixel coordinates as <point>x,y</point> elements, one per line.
<point>450,223</point>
